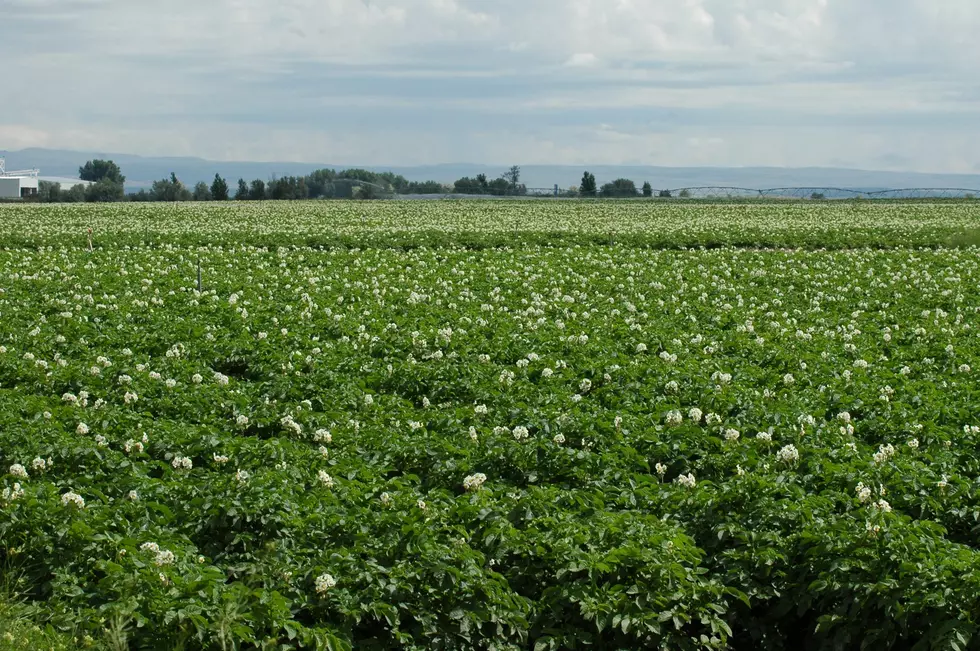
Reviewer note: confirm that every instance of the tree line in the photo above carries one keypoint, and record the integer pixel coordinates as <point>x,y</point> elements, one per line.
<point>105,183</point>
<point>508,183</point>
<point>620,188</point>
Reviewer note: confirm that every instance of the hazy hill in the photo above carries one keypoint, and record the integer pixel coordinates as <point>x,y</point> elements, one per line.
<point>141,171</point>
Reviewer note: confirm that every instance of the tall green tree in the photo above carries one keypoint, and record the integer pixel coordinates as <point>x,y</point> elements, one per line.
<point>242,193</point>
<point>466,185</point>
<point>257,190</point>
<point>202,192</point>
<point>513,177</point>
<point>98,170</point>
<point>500,187</point>
<point>219,189</point>
<point>75,194</point>
<point>162,190</point>
<point>48,192</point>
<point>104,190</point>
<point>588,187</point>
<point>288,188</point>
<point>647,189</point>
<point>618,188</point>
<point>170,190</point>
<point>320,183</point>
<point>368,191</point>
<point>424,187</point>
<point>361,175</point>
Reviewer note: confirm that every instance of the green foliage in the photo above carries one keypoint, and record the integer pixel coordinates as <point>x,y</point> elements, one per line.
<point>256,191</point>
<point>101,170</point>
<point>482,185</point>
<point>242,193</point>
<point>423,187</point>
<point>106,184</point>
<point>319,183</point>
<point>219,189</point>
<point>75,194</point>
<point>288,187</point>
<point>467,185</point>
<point>588,187</point>
<point>618,188</point>
<point>201,192</point>
<point>361,175</point>
<point>329,184</point>
<point>23,628</point>
<point>48,192</point>
<point>367,191</point>
<point>647,189</point>
<point>480,224</point>
<point>534,442</point>
<point>513,177</point>
<point>104,191</point>
<point>170,190</point>
<point>507,185</point>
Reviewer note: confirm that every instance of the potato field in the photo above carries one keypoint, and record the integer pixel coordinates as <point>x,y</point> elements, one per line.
<point>533,425</point>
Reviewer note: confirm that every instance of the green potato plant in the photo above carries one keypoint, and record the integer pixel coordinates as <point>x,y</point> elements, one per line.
<point>485,425</point>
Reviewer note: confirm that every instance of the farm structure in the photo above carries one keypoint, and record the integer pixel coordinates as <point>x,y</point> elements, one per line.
<point>17,184</point>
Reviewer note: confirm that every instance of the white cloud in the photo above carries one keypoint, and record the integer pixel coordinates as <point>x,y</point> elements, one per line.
<point>18,136</point>
<point>242,77</point>
<point>582,60</point>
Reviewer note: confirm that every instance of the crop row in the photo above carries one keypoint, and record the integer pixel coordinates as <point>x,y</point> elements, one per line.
<point>478,224</point>
<point>526,447</point>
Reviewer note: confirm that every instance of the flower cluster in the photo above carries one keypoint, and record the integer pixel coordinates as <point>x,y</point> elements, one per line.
<point>674,418</point>
<point>322,436</point>
<point>788,454</point>
<point>686,480</point>
<point>74,499</point>
<point>884,453</point>
<point>161,556</point>
<point>572,368</point>
<point>474,482</point>
<point>324,583</point>
<point>12,493</point>
<point>181,463</point>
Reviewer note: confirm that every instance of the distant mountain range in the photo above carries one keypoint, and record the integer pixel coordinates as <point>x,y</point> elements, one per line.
<point>141,171</point>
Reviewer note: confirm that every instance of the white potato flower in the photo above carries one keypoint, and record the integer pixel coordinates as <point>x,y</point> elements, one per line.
<point>687,480</point>
<point>324,583</point>
<point>74,499</point>
<point>674,417</point>
<point>788,454</point>
<point>474,482</point>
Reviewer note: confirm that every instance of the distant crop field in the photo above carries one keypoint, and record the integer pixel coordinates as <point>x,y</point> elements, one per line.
<point>475,425</point>
<point>481,223</point>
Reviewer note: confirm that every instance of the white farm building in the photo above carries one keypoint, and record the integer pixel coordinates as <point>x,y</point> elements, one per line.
<point>19,184</point>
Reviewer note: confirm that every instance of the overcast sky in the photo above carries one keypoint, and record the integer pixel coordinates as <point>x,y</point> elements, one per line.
<point>878,84</point>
